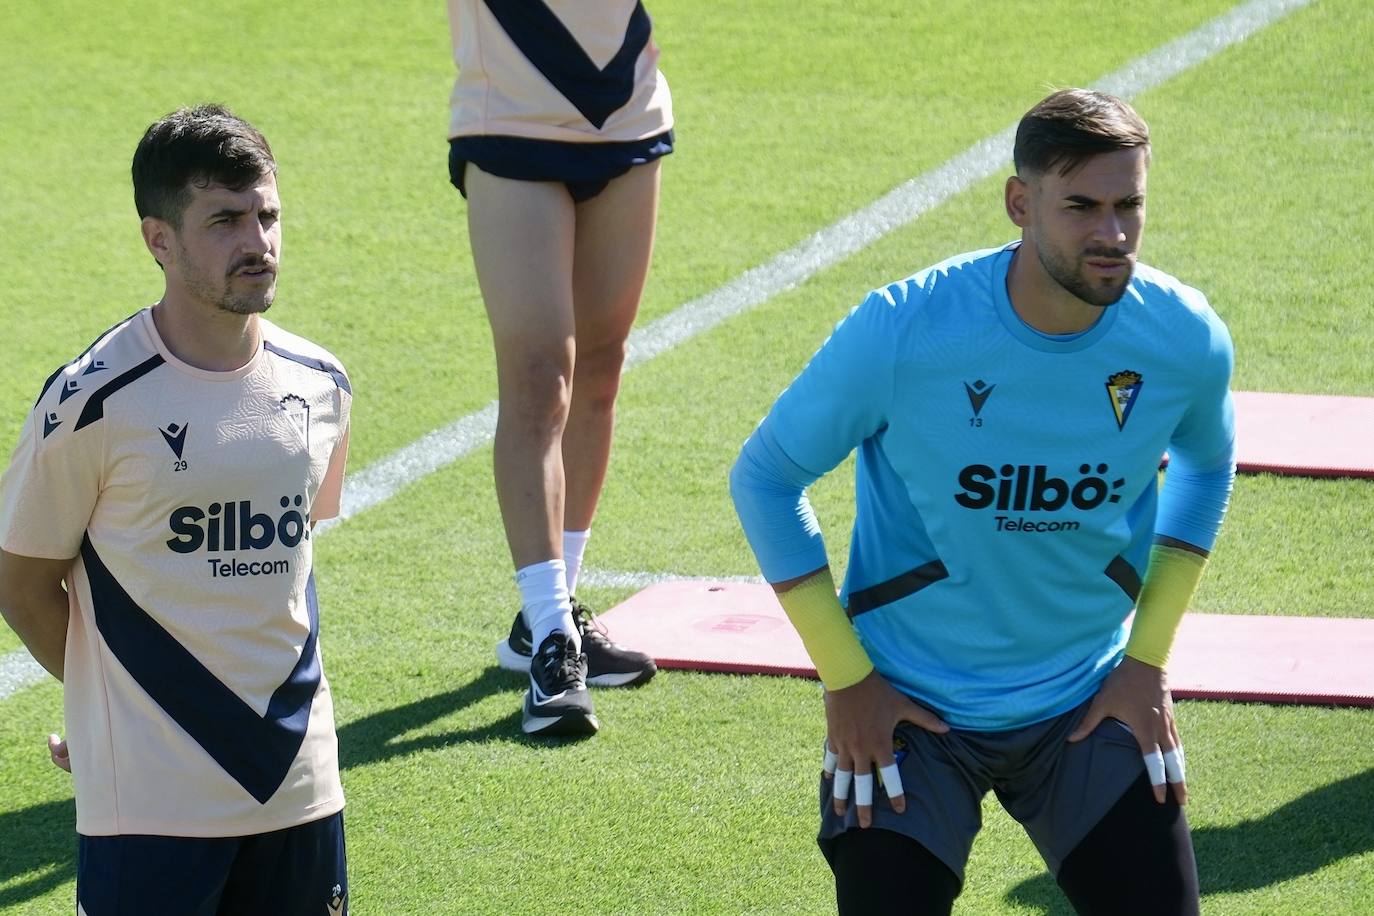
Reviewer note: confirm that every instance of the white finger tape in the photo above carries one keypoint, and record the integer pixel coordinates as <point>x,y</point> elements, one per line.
<point>842,778</point>
<point>1154,765</point>
<point>829,760</point>
<point>892,780</point>
<point>863,790</point>
<point>1173,764</point>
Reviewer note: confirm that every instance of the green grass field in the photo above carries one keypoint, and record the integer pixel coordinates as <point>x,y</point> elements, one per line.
<point>697,796</point>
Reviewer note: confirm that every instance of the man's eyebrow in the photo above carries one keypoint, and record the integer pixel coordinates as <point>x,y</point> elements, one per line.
<point>227,211</point>
<point>1083,199</point>
<point>232,212</point>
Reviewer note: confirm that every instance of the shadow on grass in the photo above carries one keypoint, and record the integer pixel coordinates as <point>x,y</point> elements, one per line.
<point>1307,834</point>
<point>38,844</point>
<point>374,738</point>
<point>39,850</point>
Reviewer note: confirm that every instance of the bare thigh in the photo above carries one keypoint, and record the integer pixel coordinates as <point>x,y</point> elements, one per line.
<point>614,242</point>
<point>522,237</point>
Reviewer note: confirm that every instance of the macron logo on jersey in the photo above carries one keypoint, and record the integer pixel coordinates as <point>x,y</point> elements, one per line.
<point>175,436</point>
<point>50,423</point>
<point>978,394</point>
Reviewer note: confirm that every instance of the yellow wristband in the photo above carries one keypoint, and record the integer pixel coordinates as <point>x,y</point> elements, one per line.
<point>815,611</point>
<point>1170,582</point>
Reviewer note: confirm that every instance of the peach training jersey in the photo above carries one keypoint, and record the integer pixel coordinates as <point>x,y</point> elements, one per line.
<point>196,704</point>
<point>574,71</point>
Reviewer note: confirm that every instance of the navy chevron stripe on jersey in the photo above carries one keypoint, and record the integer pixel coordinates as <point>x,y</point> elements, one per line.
<point>94,408</point>
<point>896,588</point>
<point>1120,571</point>
<point>332,370</point>
<point>48,383</point>
<point>597,92</point>
<point>256,751</point>
<point>58,371</point>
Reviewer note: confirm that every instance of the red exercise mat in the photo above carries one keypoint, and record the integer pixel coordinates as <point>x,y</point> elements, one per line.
<point>739,628</point>
<point>1306,434</point>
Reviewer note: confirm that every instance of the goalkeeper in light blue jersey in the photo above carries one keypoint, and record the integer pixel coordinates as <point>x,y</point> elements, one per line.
<point>1010,408</point>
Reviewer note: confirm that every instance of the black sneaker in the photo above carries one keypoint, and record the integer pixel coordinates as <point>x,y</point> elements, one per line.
<point>608,664</point>
<point>557,702</point>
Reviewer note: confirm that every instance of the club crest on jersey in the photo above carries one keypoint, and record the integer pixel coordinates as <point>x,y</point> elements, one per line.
<point>1123,388</point>
<point>298,415</point>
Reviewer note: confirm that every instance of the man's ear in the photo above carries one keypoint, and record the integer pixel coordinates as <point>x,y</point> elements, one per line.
<point>160,238</point>
<point>1017,199</point>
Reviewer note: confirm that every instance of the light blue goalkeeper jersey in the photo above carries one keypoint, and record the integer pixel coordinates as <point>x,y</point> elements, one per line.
<point>1008,487</point>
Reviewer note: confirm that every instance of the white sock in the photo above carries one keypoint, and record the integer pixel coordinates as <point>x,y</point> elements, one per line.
<point>574,545</point>
<point>544,601</point>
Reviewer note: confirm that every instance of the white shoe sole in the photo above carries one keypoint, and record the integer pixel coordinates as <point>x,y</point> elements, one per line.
<point>560,725</point>
<point>511,660</point>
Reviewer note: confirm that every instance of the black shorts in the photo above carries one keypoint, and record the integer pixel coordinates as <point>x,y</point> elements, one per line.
<point>584,168</point>
<point>298,871</point>
<point>1058,791</point>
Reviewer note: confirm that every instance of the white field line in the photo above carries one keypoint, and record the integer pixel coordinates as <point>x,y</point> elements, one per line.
<point>904,204</point>
<point>17,671</point>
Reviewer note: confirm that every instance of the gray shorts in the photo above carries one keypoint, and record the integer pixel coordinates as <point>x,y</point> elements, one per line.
<point>1056,790</point>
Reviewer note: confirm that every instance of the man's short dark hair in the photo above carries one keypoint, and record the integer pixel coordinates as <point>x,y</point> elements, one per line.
<point>1070,126</point>
<point>204,145</point>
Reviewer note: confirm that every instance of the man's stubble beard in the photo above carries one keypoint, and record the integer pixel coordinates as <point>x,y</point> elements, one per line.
<point>1072,279</point>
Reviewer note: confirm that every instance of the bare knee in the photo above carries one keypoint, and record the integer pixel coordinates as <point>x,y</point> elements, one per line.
<point>535,389</point>
<point>597,379</point>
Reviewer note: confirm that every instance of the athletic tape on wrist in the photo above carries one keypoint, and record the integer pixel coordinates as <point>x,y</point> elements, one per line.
<point>824,628</point>
<point>1170,582</point>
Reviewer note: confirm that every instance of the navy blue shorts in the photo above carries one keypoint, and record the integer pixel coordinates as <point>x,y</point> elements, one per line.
<point>1058,791</point>
<point>299,871</point>
<point>584,168</point>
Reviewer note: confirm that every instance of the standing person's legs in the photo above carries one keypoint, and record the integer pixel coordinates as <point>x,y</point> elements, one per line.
<point>522,234</point>
<point>615,240</point>
<point>522,245</point>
